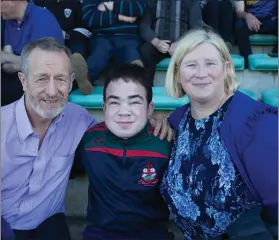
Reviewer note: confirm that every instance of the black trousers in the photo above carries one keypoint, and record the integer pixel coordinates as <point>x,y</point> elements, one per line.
<point>220,16</point>
<point>11,88</point>
<point>53,228</point>
<point>242,33</point>
<point>151,56</point>
<point>79,44</point>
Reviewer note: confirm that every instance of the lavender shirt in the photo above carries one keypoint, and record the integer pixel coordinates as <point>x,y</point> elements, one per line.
<point>34,181</point>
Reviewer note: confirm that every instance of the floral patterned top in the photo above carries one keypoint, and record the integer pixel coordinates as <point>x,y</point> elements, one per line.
<point>204,191</point>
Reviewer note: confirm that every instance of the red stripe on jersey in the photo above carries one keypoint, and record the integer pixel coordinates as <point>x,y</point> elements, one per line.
<point>115,152</point>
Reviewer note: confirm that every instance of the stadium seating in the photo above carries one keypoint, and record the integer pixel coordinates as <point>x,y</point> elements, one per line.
<point>238,62</point>
<point>262,62</point>
<point>94,100</point>
<point>270,96</point>
<point>262,39</point>
<point>160,98</point>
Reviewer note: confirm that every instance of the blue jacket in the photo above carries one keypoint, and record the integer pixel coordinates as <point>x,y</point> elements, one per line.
<point>250,132</point>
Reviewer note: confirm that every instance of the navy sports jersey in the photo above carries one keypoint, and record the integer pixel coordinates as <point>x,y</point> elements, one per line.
<point>124,177</point>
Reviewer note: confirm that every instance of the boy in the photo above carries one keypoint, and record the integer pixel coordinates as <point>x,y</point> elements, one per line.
<point>125,163</point>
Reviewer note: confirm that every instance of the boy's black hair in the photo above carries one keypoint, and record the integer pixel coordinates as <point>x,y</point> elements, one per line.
<point>129,73</point>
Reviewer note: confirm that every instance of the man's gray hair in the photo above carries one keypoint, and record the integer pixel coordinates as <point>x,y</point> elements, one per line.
<point>47,44</point>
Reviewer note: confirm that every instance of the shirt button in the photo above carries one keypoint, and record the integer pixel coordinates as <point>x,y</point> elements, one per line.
<point>25,204</point>
<point>33,150</point>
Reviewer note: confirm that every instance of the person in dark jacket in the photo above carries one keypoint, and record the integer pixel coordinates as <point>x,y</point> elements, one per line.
<point>115,39</point>
<point>69,15</point>
<point>223,170</point>
<point>163,23</point>
<point>125,163</point>
<point>255,17</point>
<point>219,14</point>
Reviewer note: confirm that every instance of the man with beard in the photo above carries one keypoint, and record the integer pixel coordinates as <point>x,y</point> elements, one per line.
<point>40,133</point>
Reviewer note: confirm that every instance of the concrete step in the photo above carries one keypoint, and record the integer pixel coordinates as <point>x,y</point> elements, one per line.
<point>76,197</point>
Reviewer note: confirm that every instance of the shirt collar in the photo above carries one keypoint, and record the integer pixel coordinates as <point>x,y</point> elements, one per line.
<point>23,123</point>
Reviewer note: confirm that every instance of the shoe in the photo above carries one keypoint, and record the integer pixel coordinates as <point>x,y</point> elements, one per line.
<point>81,72</point>
<point>137,62</point>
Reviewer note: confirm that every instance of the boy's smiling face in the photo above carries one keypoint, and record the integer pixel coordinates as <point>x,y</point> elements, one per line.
<point>126,110</point>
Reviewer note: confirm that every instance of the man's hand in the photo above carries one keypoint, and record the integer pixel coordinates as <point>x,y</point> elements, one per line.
<point>172,48</point>
<point>101,7</point>
<point>4,57</point>
<point>124,18</point>
<point>253,23</point>
<point>161,124</point>
<point>161,45</point>
<point>10,62</point>
<point>8,49</point>
<point>9,68</point>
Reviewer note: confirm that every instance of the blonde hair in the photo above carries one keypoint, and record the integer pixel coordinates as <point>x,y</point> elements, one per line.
<point>186,45</point>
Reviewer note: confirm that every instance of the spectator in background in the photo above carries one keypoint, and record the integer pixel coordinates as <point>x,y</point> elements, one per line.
<point>255,17</point>
<point>162,25</point>
<point>115,32</point>
<point>219,14</point>
<point>69,15</point>
<point>24,22</point>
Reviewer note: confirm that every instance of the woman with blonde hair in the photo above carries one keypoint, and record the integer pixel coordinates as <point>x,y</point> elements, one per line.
<point>223,167</point>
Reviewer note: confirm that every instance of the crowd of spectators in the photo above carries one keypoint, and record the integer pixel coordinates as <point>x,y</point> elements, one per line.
<point>102,34</point>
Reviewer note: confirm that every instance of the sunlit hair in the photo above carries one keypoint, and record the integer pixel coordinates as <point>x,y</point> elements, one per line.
<point>186,45</point>
<point>47,44</point>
